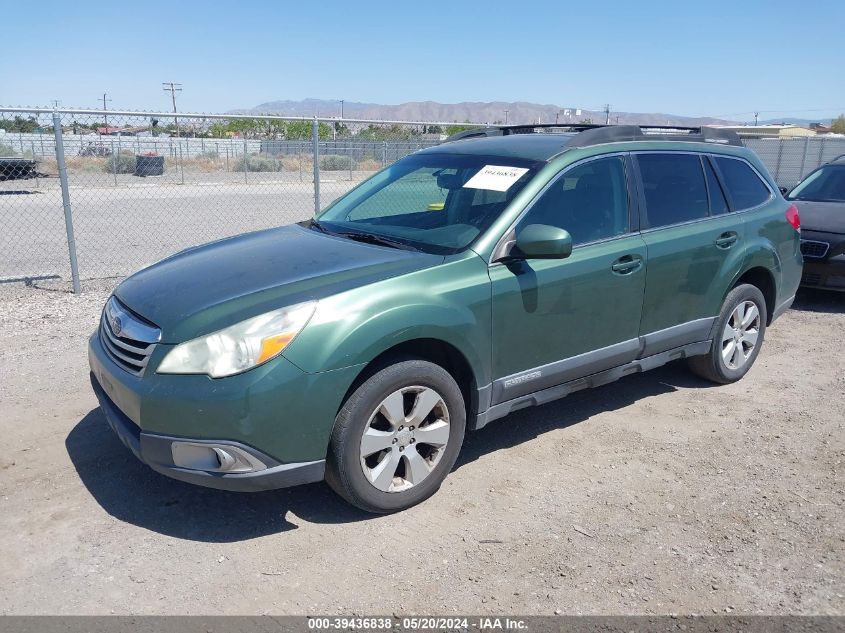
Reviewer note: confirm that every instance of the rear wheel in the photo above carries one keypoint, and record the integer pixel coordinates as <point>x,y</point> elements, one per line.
<point>738,337</point>
<point>397,437</point>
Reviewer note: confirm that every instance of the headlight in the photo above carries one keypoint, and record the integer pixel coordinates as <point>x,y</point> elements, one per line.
<point>241,346</point>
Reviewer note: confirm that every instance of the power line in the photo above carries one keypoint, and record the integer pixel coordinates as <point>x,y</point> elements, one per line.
<point>787,111</point>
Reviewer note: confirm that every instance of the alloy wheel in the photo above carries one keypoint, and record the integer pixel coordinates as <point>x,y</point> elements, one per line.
<point>739,338</point>
<point>405,438</point>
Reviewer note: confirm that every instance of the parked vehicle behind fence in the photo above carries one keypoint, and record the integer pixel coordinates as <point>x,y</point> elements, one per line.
<point>499,270</point>
<point>820,198</point>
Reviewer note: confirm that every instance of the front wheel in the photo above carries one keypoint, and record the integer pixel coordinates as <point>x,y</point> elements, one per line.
<point>397,437</point>
<point>739,333</point>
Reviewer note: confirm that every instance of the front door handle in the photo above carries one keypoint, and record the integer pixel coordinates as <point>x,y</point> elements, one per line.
<point>627,264</point>
<point>726,240</point>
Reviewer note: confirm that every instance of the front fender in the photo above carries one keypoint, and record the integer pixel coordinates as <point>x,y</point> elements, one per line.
<point>448,302</point>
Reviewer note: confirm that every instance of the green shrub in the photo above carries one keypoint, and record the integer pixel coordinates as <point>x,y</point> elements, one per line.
<point>335,162</point>
<point>208,155</point>
<point>7,150</point>
<point>122,163</point>
<point>257,163</point>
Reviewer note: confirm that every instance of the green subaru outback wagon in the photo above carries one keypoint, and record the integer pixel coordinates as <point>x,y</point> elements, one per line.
<point>504,268</point>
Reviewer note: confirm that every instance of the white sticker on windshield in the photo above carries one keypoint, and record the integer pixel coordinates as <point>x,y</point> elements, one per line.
<point>495,178</point>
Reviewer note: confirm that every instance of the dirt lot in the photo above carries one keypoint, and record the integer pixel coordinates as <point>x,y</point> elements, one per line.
<point>657,494</point>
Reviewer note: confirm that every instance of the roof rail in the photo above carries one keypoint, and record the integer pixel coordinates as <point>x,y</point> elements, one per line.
<point>595,134</point>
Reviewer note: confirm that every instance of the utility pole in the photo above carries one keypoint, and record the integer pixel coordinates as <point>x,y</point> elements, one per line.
<point>506,116</point>
<point>105,116</point>
<point>173,88</point>
<point>56,103</point>
<point>606,113</point>
<point>756,116</point>
<point>341,108</point>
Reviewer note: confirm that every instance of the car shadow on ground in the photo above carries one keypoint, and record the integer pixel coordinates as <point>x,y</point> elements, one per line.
<point>813,300</point>
<point>130,491</point>
<point>528,424</point>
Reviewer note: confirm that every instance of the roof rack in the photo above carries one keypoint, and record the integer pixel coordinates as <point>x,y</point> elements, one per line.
<point>595,134</point>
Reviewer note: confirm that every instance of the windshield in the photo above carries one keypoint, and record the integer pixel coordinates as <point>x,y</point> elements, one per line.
<point>437,203</point>
<point>823,185</point>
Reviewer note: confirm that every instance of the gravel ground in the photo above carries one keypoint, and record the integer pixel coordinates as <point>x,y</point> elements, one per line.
<point>656,494</point>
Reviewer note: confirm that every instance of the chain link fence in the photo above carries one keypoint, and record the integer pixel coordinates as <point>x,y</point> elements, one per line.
<point>119,190</point>
<point>141,186</point>
<point>790,159</point>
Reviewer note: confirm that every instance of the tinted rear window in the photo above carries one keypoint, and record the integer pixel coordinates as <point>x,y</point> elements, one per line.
<point>744,185</point>
<point>674,189</point>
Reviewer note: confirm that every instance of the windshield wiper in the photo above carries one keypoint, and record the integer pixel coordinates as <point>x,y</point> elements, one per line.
<point>315,224</point>
<point>371,238</point>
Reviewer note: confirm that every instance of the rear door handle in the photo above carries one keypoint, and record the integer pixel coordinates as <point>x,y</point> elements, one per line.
<point>627,264</point>
<point>726,240</point>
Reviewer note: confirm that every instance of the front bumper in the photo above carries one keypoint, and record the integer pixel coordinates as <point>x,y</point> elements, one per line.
<point>157,452</point>
<point>275,416</point>
<point>827,272</point>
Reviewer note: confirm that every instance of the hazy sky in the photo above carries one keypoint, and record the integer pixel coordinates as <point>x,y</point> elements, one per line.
<point>711,58</point>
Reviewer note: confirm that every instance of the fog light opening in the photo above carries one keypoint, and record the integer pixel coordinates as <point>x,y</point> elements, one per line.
<point>214,458</point>
<point>224,459</point>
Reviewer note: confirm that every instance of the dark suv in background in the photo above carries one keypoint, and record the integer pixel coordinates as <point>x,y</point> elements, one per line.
<point>820,198</point>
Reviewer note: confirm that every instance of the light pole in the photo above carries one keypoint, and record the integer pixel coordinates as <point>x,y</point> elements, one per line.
<point>105,116</point>
<point>506,116</point>
<point>173,88</point>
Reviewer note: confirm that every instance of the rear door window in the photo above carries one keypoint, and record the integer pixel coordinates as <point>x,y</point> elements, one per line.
<point>673,187</point>
<point>743,184</point>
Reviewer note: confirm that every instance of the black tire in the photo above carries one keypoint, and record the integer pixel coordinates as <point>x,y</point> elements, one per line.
<point>712,366</point>
<point>344,471</point>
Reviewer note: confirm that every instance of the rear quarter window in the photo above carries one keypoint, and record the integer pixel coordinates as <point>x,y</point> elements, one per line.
<point>744,186</point>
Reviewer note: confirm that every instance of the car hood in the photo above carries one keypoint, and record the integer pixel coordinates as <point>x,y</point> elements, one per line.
<point>209,287</point>
<point>828,217</point>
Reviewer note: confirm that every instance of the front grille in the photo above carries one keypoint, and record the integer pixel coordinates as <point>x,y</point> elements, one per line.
<point>127,339</point>
<point>813,249</point>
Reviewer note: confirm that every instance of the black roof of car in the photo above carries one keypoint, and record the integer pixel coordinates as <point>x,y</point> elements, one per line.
<point>543,142</point>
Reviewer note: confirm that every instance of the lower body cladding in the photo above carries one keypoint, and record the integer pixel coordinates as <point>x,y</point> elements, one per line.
<point>204,431</point>
<point>593,380</point>
<point>593,369</point>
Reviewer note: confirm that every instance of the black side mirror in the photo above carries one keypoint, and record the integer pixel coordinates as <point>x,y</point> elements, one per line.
<point>541,241</point>
<point>784,190</point>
